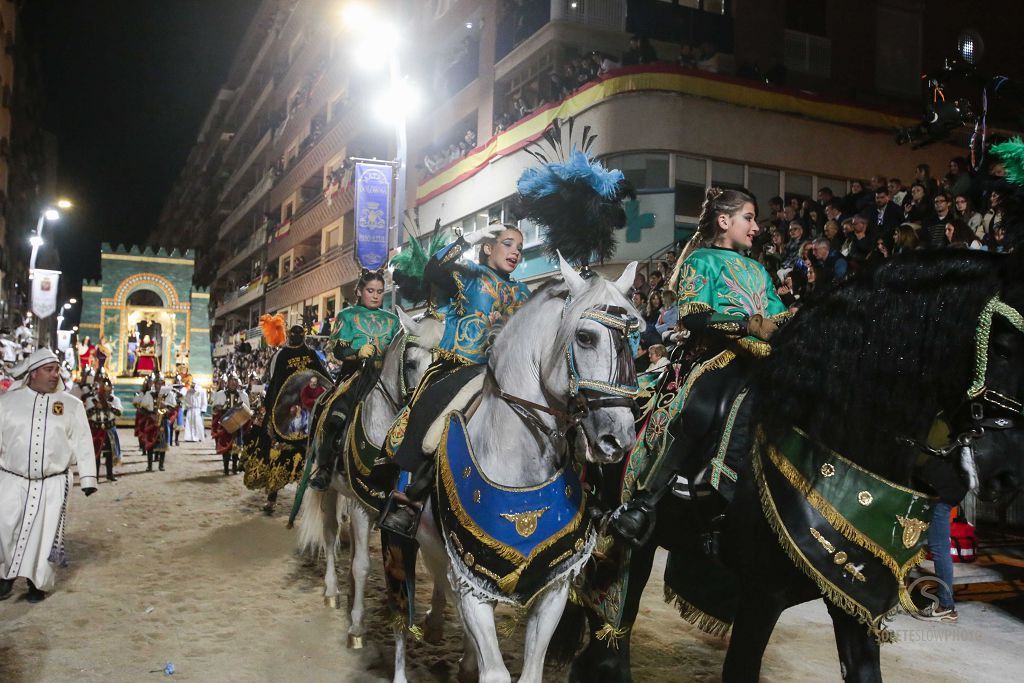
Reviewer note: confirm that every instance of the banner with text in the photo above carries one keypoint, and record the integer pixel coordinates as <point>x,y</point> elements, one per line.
<point>372,213</point>
<point>44,292</point>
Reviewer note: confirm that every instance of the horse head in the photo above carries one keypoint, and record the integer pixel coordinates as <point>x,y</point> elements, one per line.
<point>993,415</point>
<point>421,336</point>
<point>593,352</point>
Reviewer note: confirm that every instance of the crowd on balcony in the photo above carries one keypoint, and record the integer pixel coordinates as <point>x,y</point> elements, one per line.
<point>807,244</point>
<point>449,151</point>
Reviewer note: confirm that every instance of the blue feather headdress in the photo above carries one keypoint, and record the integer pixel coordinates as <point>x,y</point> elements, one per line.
<point>575,199</point>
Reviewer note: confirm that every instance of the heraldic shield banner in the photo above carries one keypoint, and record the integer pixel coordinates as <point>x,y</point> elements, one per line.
<point>373,214</point>
<point>44,292</point>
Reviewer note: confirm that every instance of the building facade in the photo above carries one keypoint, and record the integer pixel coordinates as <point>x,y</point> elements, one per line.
<point>772,101</point>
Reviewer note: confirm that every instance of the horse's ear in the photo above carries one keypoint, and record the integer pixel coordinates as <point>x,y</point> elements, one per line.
<point>410,325</point>
<point>625,281</point>
<point>577,285</point>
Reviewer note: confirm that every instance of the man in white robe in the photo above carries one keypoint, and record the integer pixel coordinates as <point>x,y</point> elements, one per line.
<point>43,431</point>
<point>195,406</point>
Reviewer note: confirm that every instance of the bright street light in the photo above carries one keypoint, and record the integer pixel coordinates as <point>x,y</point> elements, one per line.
<point>64,204</point>
<point>72,301</point>
<point>398,102</point>
<point>36,241</point>
<point>52,214</point>
<point>67,306</point>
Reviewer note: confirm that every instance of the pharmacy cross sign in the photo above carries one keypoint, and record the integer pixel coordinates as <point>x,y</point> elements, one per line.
<point>636,222</point>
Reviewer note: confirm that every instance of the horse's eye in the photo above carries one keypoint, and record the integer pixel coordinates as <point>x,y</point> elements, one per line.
<point>584,338</point>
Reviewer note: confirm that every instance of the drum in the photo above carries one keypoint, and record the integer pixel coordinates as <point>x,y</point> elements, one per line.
<point>235,418</point>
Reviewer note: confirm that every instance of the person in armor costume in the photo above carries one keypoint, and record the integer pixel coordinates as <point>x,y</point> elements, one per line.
<point>102,408</point>
<point>727,302</point>
<point>156,406</point>
<point>227,444</point>
<point>362,333</point>
<point>483,295</point>
<point>274,458</point>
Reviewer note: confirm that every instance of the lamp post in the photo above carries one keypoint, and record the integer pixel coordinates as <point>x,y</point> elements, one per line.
<point>49,213</point>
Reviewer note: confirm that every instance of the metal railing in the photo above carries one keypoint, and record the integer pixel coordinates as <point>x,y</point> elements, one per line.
<point>306,267</point>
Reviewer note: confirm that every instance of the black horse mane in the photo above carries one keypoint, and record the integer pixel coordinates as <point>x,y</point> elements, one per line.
<point>883,353</point>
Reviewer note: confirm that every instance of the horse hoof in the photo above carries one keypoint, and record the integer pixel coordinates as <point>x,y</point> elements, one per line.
<point>433,634</point>
<point>331,601</point>
<point>355,642</point>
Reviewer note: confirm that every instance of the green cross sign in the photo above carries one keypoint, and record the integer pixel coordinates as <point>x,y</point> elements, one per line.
<point>636,222</point>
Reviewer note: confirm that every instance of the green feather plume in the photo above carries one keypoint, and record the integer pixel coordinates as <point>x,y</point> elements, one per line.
<point>1012,154</point>
<point>410,263</point>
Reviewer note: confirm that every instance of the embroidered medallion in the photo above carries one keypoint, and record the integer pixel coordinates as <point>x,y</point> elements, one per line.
<point>912,530</point>
<point>526,522</point>
<point>58,407</point>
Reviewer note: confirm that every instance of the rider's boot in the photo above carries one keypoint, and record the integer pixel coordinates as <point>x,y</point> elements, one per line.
<point>227,459</point>
<point>163,455</point>
<point>402,511</point>
<point>149,461</point>
<point>325,457</point>
<point>110,466</point>
<point>634,520</point>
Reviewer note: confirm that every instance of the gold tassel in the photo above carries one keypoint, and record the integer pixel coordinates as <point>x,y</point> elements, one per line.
<point>702,620</point>
<point>508,583</point>
<point>416,632</point>
<point>611,635</point>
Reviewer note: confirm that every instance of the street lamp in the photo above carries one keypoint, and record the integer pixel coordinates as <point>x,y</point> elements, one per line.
<point>48,213</point>
<point>374,35</point>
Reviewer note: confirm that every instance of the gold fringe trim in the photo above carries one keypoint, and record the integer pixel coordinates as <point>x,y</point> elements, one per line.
<point>508,628</point>
<point>702,620</point>
<point>611,635</point>
<point>397,621</point>
<point>836,519</point>
<point>875,626</point>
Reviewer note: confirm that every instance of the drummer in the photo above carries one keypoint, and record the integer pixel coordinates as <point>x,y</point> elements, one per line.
<point>226,401</point>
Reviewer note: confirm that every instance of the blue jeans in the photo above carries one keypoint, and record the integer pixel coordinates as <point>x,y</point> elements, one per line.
<point>938,544</point>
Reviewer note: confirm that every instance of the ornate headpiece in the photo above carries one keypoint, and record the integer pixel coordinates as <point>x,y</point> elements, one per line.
<point>576,199</point>
<point>273,329</point>
<point>411,262</point>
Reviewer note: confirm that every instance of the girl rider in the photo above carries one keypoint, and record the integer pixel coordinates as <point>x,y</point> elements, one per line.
<point>362,333</point>
<point>728,303</point>
<point>482,295</point>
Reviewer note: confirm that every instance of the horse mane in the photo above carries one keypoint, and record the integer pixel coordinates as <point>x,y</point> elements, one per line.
<point>883,353</point>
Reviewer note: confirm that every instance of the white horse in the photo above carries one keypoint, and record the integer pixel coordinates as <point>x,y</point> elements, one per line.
<point>547,363</point>
<point>405,361</point>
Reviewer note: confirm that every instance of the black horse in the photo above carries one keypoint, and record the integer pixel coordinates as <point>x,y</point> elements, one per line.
<point>865,372</point>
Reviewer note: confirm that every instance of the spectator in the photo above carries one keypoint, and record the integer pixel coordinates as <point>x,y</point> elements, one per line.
<point>905,238</point>
<point>862,244</point>
<point>791,253</point>
<point>959,236</point>
<point>687,57</point>
<point>833,265</point>
<point>857,199</point>
<point>885,215</point>
<point>958,180</point>
<point>792,289</point>
<point>923,176</point>
<point>833,234</point>
<point>640,52</point>
<point>655,281</point>
<point>963,209</point>
<point>897,192</point>
<point>708,59</point>
<point>996,240</point>
<point>936,232</point>
<point>918,209</point>
<point>825,195</point>
<point>652,312</point>
<point>994,216</point>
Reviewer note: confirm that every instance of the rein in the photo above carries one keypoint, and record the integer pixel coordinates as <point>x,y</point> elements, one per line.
<point>407,341</point>
<point>585,394</point>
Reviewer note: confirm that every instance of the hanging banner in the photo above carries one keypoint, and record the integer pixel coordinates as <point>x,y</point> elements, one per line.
<point>44,292</point>
<point>372,214</point>
<point>64,339</point>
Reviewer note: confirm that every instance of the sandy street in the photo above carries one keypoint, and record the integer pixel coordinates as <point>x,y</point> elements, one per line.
<point>183,567</point>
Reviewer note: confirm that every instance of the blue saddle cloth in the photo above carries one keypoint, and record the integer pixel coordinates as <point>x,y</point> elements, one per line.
<point>507,543</point>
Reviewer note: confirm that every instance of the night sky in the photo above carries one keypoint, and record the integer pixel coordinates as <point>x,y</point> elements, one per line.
<point>127,85</point>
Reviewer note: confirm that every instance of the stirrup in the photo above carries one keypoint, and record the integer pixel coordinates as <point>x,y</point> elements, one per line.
<point>394,507</point>
<point>632,508</point>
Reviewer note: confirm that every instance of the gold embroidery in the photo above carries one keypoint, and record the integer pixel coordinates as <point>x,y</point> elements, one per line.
<point>865,498</point>
<point>840,557</point>
<point>854,572</point>
<point>828,469</point>
<point>526,522</point>
<point>912,530</point>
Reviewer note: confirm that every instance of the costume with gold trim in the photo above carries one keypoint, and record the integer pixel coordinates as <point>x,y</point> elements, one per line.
<point>507,544</point>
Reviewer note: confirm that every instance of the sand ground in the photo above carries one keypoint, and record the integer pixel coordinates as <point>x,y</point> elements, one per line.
<point>183,567</point>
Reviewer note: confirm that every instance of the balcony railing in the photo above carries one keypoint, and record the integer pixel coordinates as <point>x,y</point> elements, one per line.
<point>256,241</point>
<point>330,143</point>
<point>240,297</point>
<point>311,219</point>
<point>328,271</point>
<point>323,258</point>
<point>247,203</point>
<point>236,176</point>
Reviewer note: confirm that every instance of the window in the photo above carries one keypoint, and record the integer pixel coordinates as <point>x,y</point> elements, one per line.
<point>763,183</point>
<point>799,186</point>
<point>288,210</point>
<point>331,238</point>
<point>837,185</point>
<point>286,264</point>
<point>645,171</point>
<point>330,307</point>
<point>726,175</point>
<point>808,54</point>
<point>691,183</point>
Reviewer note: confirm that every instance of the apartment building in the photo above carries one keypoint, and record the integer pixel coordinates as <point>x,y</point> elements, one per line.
<point>772,101</point>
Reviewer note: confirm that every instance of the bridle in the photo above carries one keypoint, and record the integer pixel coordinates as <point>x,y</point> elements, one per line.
<point>403,342</point>
<point>584,393</point>
<point>986,409</point>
